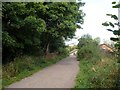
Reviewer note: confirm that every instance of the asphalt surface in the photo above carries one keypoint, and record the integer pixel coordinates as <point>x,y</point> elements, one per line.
<point>59,75</point>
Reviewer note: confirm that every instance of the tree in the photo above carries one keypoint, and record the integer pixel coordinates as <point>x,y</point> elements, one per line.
<point>97,40</point>
<point>32,27</point>
<point>84,40</point>
<point>87,47</point>
<point>21,28</point>
<point>61,21</point>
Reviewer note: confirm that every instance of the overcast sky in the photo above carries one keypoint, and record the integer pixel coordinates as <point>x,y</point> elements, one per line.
<point>96,11</point>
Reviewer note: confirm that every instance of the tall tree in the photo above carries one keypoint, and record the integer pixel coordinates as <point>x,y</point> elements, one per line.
<point>61,20</point>
<point>87,47</point>
<point>36,26</point>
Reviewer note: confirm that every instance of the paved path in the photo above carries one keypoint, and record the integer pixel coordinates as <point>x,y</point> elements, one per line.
<point>59,75</point>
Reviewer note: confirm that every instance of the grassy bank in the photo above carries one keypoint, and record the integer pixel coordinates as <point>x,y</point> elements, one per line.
<point>0,76</point>
<point>98,68</point>
<point>25,66</point>
<point>97,73</point>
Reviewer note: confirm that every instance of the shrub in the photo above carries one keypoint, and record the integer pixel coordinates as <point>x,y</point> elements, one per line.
<point>87,48</point>
<point>63,51</point>
<point>85,52</point>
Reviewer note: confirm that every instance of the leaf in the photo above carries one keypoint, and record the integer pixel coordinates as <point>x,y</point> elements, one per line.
<point>114,39</point>
<point>118,24</point>
<point>108,14</point>
<point>78,26</point>
<point>115,17</point>
<point>116,32</point>
<point>110,30</point>
<point>111,24</point>
<point>105,24</point>
<point>116,6</point>
<point>113,2</point>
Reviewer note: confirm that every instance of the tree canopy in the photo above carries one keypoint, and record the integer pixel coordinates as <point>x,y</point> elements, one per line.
<point>88,47</point>
<point>32,27</point>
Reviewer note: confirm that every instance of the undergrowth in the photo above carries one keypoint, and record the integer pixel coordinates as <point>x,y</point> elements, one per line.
<point>25,66</point>
<point>98,68</point>
<point>97,73</point>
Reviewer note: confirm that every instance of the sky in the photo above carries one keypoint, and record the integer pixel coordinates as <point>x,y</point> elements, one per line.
<point>96,11</point>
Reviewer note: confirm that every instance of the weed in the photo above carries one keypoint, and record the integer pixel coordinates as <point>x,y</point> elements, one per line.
<point>25,66</point>
<point>97,73</point>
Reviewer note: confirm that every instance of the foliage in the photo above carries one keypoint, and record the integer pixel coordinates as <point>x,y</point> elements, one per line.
<point>18,69</point>
<point>115,32</point>
<point>71,48</point>
<point>29,29</point>
<point>117,38</point>
<point>87,47</point>
<point>97,69</point>
<point>37,27</point>
<point>97,73</point>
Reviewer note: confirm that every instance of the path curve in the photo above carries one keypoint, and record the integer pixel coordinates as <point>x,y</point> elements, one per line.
<point>59,75</point>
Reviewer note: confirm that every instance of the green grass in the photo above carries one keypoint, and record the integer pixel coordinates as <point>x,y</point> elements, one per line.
<point>97,73</point>
<point>25,66</point>
<point>118,76</point>
<point>0,76</point>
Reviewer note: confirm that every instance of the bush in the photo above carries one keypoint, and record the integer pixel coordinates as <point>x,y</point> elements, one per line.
<point>88,51</point>
<point>85,52</point>
<point>97,70</point>
<point>24,66</point>
<point>63,51</point>
<point>96,73</point>
<point>87,48</point>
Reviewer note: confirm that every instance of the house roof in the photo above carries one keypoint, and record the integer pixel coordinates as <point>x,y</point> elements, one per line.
<point>106,47</point>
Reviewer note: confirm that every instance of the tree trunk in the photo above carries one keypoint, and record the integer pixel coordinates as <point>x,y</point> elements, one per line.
<point>47,48</point>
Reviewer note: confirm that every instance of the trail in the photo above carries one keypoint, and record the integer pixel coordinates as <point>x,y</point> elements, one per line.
<point>59,75</point>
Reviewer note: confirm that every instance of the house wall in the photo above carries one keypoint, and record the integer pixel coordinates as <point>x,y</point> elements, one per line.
<point>106,48</point>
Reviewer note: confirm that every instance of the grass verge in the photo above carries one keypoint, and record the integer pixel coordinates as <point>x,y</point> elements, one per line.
<point>0,76</point>
<point>97,73</point>
<point>25,66</point>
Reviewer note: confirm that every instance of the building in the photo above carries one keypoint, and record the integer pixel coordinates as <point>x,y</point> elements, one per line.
<point>106,48</point>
